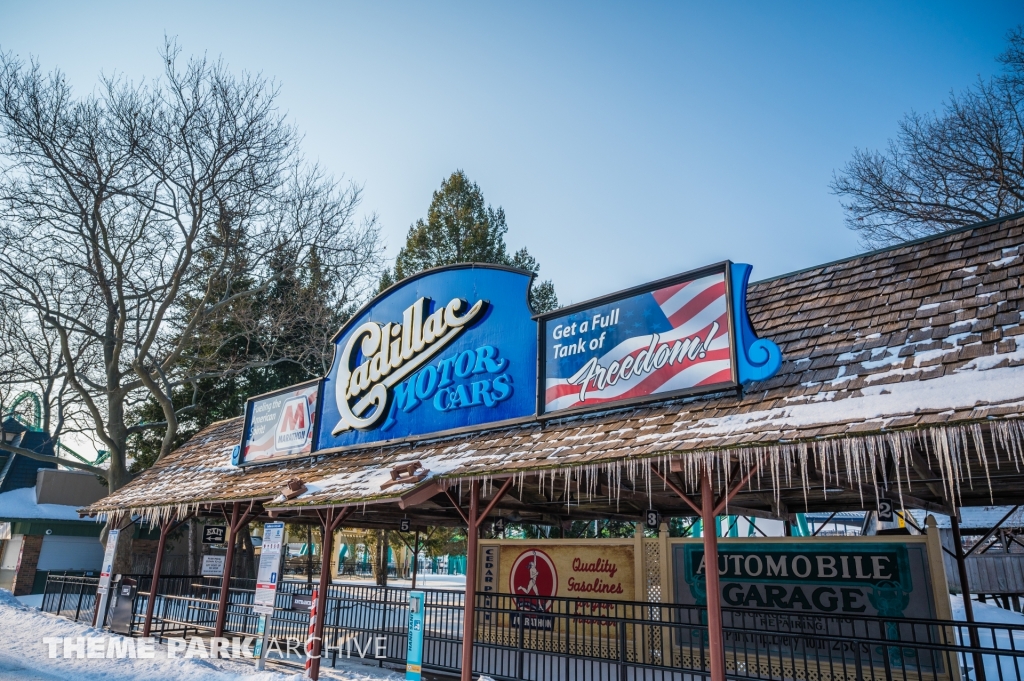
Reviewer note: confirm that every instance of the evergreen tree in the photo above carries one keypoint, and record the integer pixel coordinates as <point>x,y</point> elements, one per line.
<point>275,348</point>
<point>461,227</point>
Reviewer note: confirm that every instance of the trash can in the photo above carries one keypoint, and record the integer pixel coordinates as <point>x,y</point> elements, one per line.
<point>121,609</point>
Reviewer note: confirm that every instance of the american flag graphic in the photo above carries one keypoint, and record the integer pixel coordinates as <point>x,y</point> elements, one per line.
<point>674,338</point>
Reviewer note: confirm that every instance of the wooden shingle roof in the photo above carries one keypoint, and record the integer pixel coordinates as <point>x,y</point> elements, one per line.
<point>921,337</point>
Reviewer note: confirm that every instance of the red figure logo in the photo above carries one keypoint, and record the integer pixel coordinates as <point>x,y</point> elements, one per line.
<point>533,575</point>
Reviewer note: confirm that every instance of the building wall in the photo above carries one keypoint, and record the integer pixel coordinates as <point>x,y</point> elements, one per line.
<point>68,488</point>
<point>25,577</point>
<point>9,561</point>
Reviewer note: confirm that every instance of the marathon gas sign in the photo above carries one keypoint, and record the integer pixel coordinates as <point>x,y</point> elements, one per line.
<point>280,424</point>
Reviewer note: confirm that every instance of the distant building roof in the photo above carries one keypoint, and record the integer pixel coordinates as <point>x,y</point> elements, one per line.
<point>20,504</point>
<point>18,471</point>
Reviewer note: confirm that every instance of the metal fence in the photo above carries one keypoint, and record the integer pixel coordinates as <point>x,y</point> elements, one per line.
<point>561,638</point>
<point>359,621</point>
<point>71,595</point>
<point>573,640</point>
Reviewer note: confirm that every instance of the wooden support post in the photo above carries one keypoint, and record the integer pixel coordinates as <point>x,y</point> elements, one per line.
<point>709,511</point>
<point>415,557</point>
<point>711,583</point>
<point>166,528</point>
<point>469,613</point>
<point>330,521</point>
<point>225,580</point>
<point>961,565</point>
<point>234,526</point>
<point>965,591</point>
<point>474,519</point>
<point>155,582</point>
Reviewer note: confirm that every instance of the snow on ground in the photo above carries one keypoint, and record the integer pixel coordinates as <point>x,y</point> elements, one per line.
<point>24,656</point>
<point>984,612</point>
<point>453,582</point>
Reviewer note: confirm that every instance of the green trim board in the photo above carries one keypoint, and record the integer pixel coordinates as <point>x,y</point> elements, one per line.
<point>57,527</point>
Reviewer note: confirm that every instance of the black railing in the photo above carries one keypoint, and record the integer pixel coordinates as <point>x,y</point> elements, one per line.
<point>551,638</point>
<point>71,595</point>
<point>358,618</point>
<point>572,639</point>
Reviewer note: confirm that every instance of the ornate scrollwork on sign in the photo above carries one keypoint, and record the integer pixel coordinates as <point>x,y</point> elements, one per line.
<point>757,359</point>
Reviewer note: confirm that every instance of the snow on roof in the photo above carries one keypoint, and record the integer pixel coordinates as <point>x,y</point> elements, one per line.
<point>922,337</point>
<point>20,504</point>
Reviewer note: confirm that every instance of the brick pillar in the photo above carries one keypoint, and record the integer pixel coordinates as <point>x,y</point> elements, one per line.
<point>25,575</point>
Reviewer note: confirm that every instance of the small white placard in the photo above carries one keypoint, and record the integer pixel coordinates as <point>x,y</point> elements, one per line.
<point>108,561</point>
<point>213,566</point>
<point>268,573</point>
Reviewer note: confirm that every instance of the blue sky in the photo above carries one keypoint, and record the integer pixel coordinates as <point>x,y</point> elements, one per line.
<point>625,141</point>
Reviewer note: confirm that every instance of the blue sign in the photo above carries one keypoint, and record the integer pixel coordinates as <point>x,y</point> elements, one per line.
<point>682,335</point>
<point>414,654</point>
<point>446,349</point>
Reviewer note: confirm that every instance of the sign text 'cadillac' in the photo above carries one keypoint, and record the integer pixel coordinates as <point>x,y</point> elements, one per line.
<point>443,350</point>
<point>685,334</point>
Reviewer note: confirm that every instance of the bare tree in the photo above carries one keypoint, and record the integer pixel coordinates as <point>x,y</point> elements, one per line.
<point>947,170</point>
<point>33,364</point>
<point>141,223</point>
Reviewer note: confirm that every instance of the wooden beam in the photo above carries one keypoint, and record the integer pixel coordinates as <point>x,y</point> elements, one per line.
<point>991,531</point>
<point>822,526</point>
<point>730,493</point>
<point>494,502</point>
<point>753,513</point>
<point>417,496</point>
<point>458,508</point>
<point>680,493</point>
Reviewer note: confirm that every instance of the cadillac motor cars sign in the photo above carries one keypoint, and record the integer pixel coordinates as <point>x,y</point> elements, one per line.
<point>443,350</point>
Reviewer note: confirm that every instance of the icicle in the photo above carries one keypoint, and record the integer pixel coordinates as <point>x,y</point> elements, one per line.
<point>979,447</point>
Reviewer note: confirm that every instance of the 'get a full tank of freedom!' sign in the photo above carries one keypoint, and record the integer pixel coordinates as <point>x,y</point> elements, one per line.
<point>817,580</point>
<point>678,336</point>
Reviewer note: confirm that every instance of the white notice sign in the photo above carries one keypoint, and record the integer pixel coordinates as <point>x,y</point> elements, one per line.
<point>270,567</point>
<point>108,560</point>
<point>213,566</point>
